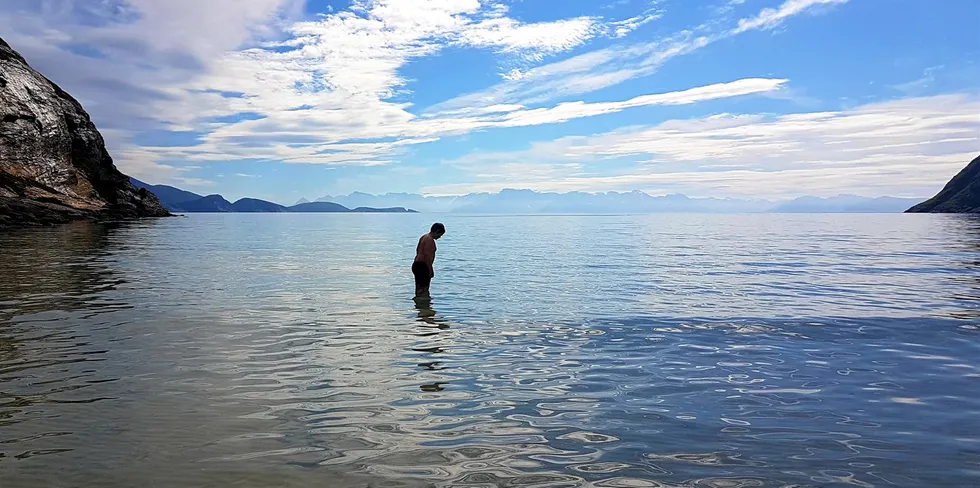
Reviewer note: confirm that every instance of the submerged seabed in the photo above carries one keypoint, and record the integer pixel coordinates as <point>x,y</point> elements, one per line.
<point>252,351</point>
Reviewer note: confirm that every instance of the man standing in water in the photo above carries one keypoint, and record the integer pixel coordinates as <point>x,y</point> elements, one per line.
<point>425,256</point>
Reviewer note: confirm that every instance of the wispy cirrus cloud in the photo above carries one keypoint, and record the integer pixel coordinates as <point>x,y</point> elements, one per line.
<point>531,41</point>
<point>773,17</point>
<point>604,68</point>
<point>901,148</point>
<point>621,28</point>
<point>333,148</point>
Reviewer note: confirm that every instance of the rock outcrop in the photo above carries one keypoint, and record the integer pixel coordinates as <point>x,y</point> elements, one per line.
<point>960,195</point>
<point>53,163</point>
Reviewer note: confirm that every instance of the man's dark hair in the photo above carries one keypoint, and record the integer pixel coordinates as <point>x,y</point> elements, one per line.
<point>438,228</point>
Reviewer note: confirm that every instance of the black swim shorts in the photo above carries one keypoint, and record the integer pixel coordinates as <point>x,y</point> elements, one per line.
<point>422,275</point>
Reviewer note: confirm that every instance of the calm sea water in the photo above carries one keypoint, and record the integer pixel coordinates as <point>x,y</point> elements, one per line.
<point>613,351</point>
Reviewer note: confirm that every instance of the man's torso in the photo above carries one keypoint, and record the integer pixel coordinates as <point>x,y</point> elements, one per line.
<point>425,248</point>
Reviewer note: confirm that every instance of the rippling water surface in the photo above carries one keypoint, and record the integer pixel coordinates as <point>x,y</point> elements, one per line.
<point>697,351</point>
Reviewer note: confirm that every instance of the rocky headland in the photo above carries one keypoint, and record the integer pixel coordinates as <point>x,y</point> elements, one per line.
<point>960,195</point>
<point>54,166</point>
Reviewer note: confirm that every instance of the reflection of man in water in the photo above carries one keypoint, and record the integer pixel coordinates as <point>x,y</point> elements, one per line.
<point>425,256</point>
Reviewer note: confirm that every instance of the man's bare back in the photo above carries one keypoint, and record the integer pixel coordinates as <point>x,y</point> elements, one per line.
<point>425,252</point>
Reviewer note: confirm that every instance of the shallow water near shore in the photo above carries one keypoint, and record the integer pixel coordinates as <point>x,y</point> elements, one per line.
<point>609,351</point>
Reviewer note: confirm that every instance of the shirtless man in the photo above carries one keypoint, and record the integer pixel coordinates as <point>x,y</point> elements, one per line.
<point>425,256</point>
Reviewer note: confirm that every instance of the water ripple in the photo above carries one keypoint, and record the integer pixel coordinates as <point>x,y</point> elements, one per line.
<point>696,351</point>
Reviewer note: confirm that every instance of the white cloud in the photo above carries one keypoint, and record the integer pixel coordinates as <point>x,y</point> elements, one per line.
<point>604,68</point>
<point>728,6</point>
<point>623,27</point>
<point>903,148</point>
<point>331,148</point>
<point>534,40</point>
<point>573,110</point>
<point>512,75</point>
<point>772,17</point>
<point>581,74</point>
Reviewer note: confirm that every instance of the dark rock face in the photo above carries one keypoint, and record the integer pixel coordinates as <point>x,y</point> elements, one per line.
<point>53,163</point>
<point>961,194</point>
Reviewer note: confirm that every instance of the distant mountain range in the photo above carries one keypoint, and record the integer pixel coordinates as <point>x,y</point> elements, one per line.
<point>177,200</point>
<point>532,202</point>
<point>846,204</point>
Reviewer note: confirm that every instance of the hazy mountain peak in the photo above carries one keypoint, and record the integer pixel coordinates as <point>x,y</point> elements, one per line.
<point>517,200</point>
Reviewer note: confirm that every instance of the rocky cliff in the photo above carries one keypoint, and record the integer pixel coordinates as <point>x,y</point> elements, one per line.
<point>53,163</point>
<point>961,194</point>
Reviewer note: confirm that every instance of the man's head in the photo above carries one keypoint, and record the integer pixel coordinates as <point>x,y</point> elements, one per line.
<point>437,230</point>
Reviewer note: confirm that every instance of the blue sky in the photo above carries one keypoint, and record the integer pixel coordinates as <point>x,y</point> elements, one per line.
<point>282,99</point>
